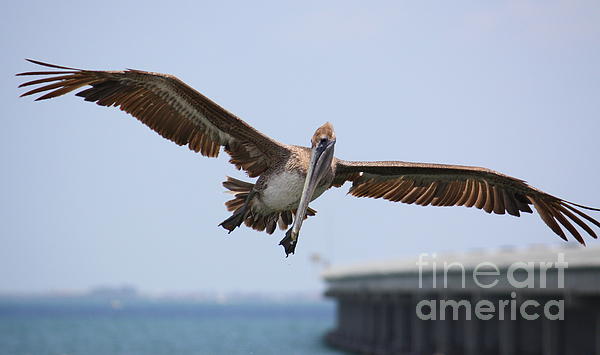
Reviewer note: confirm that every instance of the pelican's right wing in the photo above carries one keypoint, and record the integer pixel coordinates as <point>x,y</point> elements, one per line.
<point>456,185</point>
<point>168,106</point>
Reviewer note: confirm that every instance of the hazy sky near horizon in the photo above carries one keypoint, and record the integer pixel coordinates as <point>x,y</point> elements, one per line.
<point>90,196</point>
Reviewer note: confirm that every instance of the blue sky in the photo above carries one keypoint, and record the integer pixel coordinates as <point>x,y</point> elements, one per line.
<point>90,196</point>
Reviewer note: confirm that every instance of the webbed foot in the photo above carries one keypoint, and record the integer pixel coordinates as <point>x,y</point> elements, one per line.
<point>234,221</point>
<point>289,243</point>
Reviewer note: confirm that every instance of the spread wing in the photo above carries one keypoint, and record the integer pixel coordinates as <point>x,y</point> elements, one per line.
<point>455,185</point>
<point>168,106</point>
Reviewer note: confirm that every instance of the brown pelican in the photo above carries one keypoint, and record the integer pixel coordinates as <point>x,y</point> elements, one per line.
<point>289,176</point>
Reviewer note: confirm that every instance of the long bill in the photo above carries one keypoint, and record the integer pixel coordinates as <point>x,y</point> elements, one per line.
<point>320,159</point>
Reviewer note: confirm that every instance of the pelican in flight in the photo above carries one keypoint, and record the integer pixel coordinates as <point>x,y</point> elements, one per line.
<point>290,176</point>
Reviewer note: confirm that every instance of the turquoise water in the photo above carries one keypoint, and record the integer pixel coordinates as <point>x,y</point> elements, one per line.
<point>93,328</point>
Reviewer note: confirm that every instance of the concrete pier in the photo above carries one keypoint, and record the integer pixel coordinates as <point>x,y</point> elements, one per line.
<point>538,301</point>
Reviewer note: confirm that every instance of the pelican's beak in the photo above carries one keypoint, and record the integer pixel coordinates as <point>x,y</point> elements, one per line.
<point>320,159</point>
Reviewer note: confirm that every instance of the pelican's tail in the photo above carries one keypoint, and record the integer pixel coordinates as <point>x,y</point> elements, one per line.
<point>239,204</point>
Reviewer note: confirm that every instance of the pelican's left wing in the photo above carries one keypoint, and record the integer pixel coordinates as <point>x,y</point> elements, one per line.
<point>168,106</point>
<point>455,185</point>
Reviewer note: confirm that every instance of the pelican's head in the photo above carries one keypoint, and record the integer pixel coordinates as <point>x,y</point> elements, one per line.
<point>321,154</point>
<point>325,133</point>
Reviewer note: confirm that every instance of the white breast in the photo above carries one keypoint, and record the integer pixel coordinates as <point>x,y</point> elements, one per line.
<point>284,190</point>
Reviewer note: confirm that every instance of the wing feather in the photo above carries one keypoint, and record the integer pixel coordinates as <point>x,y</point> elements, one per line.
<point>474,194</point>
<point>168,106</point>
<point>489,193</point>
<point>498,200</point>
<point>547,217</point>
<point>427,196</point>
<point>577,220</point>
<point>482,195</point>
<point>510,203</point>
<point>455,185</point>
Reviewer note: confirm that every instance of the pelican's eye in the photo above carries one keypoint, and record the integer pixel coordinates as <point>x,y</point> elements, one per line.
<point>323,140</point>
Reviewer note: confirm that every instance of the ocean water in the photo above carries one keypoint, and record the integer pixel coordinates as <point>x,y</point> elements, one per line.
<point>34,327</point>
